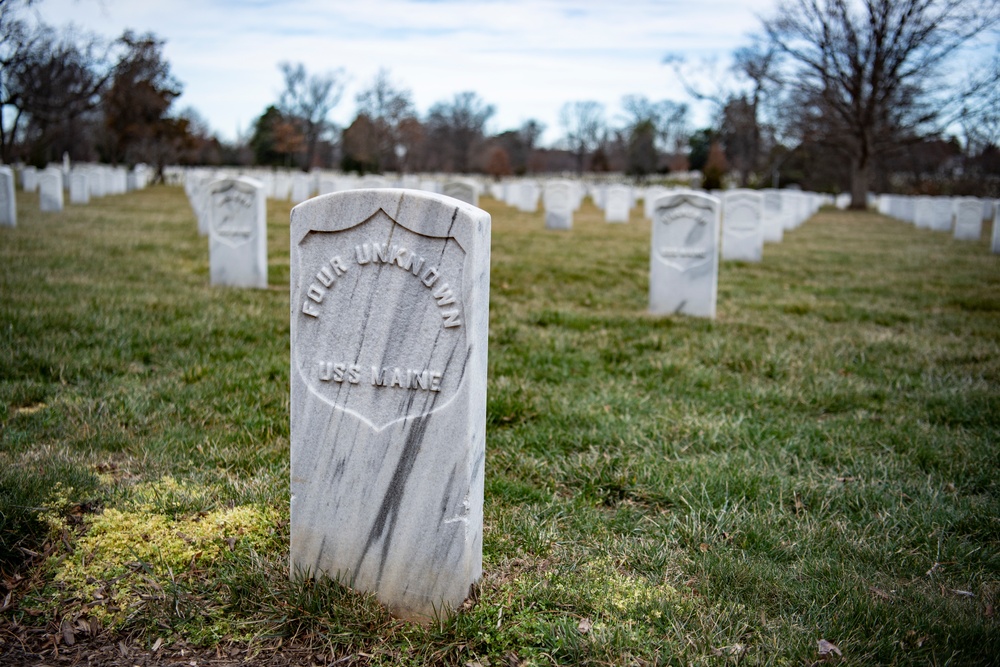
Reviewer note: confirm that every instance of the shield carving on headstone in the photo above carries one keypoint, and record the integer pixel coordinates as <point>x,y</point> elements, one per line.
<point>684,234</point>
<point>381,328</point>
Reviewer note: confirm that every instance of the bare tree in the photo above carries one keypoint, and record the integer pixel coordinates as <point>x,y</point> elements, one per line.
<point>136,103</point>
<point>49,79</point>
<point>386,107</point>
<point>654,128</point>
<point>309,99</point>
<point>457,128</point>
<point>584,124</point>
<point>868,74</point>
<point>744,98</point>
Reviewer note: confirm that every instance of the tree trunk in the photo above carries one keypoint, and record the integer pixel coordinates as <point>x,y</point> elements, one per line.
<point>860,176</point>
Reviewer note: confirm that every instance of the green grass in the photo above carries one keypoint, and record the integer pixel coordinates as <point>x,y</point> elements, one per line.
<point>819,462</point>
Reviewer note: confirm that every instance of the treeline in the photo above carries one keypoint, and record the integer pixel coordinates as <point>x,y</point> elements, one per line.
<point>831,96</point>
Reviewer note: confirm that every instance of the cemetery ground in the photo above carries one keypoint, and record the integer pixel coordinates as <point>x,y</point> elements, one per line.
<point>812,477</point>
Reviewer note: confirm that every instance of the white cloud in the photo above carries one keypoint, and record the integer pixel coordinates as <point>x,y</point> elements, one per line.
<point>525,57</point>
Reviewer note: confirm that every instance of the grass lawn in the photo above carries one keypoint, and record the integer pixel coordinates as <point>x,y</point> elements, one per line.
<point>818,466</point>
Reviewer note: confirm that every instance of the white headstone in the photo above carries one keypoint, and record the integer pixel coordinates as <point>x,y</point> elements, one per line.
<point>282,185</point>
<point>29,179</point>
<point>527,196</point>
<point>774,217</point>
<point>302,187</point>
<point>617,203</point>
<point>8,200</point>
<point>558,201</point>
<point>326,185</point>
<point>649,199</point>
<point>373,182</point>
<point>237,232</point>
<point>462,190</point>
<point>942,211</point>
<point>968,218</point>
<point>742,225</point>
<point>923,212</point>
<point>684,259</point>
<point>97,182</point>
<point>389,327</point>
<point>79,187</point>
<point>50,190</point>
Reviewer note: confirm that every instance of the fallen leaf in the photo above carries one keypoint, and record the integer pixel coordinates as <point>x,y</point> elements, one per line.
<point>703,547</point>
<point>157,644</point>
<point>826,648</point>
<point>988,612</point>
<point>584,626</point>
<point>67,634</point>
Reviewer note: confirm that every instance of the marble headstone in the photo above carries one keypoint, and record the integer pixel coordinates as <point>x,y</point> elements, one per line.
<point>742,225</point>
<point>29,179</point>
<point>774,217</point>
<point>389,324</point>
<point>79,187</point>
<point>617,203</point>
<point>237,232</point>
<point>684,260</point>
<point>527,197</point>
<point>923,212</point>
<point>558,201</point>
<point>462,190</point>
<point>50,190</point>
<point>302,187</point>
<point>8,200</point>
<point>968,218</point>
<point>942,211</point>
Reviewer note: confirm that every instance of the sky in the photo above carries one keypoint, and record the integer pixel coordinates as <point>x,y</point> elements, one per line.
<point>526,57</point>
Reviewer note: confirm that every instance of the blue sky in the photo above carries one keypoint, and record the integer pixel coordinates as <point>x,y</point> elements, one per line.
<point>527,58</point>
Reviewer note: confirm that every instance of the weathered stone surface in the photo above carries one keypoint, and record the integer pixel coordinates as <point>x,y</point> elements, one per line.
<point>968,218</point>
<point>8,198</point>
<point>558,200</point>
<point>237,232</point>
<point>743,225</point>
<point>684,259</point>
<point>389,324</point>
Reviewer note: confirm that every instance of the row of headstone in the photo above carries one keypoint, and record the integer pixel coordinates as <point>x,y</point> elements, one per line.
<point>686,244</point>
<point>83,182</point>
<point>297,186</point>
<point>963,217</point>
